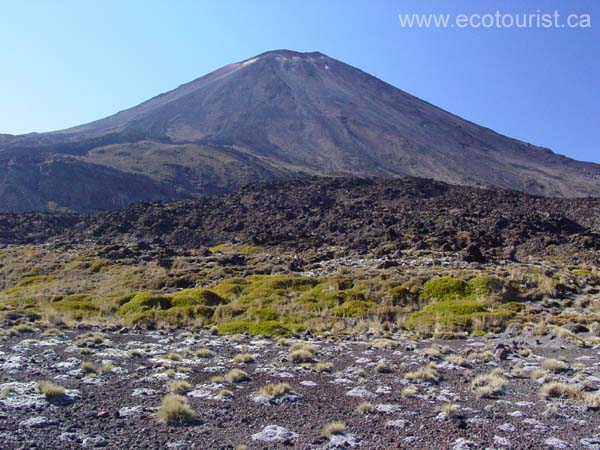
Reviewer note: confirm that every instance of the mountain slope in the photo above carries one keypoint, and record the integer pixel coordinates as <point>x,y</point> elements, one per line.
<point>277,115</point>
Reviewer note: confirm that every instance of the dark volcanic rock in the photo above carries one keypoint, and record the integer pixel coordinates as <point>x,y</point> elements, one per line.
<point>352,213</point>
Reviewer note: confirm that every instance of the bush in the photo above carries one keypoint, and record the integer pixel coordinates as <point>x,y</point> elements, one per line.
<point>452,316</point>
<point>267,328</point>
<point>444,288</point>
<point>174,309</point>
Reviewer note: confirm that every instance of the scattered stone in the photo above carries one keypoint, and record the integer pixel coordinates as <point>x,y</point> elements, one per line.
<point>275,433</point>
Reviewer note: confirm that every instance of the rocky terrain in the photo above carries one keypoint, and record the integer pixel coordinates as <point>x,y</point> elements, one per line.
<point>368,216</point>
<point>274,116</point>
<point>316,313</point>
<point>370,392</point>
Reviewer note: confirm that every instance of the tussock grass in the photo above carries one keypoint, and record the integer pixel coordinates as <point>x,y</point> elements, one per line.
<point>243,358</point>
<point>51,390</point>
<point>591,400</point>
<point>275,390</point>
<point>236,376</point>
<point>176,410</point>
<point>382,344</point>
<point>323,367</point>
<point>382,367</point>
<point>365,408</point>
<point>88,367</point>
<point>332,428</point>
<point>205,353</point>
<point>567,335</point>
<point>409,392</point>
<point>457,360</point>
<point>451,410</point>
<point>425,374</point>
<point>179,387</point>
<point>556,389</point>
<point>489,385</point>
<point>301,356</point>
<point>554,365</point>
<point>172,356</point>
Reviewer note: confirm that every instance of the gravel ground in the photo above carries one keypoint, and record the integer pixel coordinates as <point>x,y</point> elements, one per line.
<point>114,404</point>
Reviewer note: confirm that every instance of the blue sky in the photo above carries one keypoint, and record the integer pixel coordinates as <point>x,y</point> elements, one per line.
<point>69,62</point>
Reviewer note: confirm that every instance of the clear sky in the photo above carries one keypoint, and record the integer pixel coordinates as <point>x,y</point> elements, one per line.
<point>63,63</point>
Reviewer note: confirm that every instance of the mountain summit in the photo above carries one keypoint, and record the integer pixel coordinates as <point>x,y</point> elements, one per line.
<point>278,114</point>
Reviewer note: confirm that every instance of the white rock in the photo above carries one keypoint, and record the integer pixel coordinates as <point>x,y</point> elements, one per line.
<point>388,408</point>
<point>344,440</point>
<point>507,427</point>
<point>464,444</point>
<point>36,422</point>
<point>557,443</point>
<point>359,391</point>
<point>501,441</point>
<point>143,392</point>
<point>275,433</point>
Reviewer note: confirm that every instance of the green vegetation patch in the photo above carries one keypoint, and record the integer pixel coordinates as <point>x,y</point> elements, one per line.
<point>444,288</point>
<point>458,306</point>
<point>174,309</point>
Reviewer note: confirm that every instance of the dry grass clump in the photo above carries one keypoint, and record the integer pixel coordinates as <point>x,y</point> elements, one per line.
<point>484,356</point>
<point>217,379</point>
<point>89,338</point>
<point>87,367</point>
<point>205,353</point>
<point>489,385</point>
<point>224,394</point>
<point>591,400</point>
<point>243,358</point>
<point>323,367</point>
<point>556,389</point>
<point>431,352</point>
<point>236,376</point>
<point>176,410</point>
<point>92,369</point>
<point>275,390</point>
<point>409,392</point>
<point>536,374</point>
<point>567,335</point>
<point>332,428</point>
<point>554,365</point>
<point>283,342</point>
<point>450,410</point>
<point>104,369</point>
<point>457,360</point>
<point>51,390</point>
<point>365,408</point>
<point>426,374</point>
<point>302,353</point>
<point>180,387</point>
<point>382,344</point>
<point>172,356</point>
<point>382,367</point>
